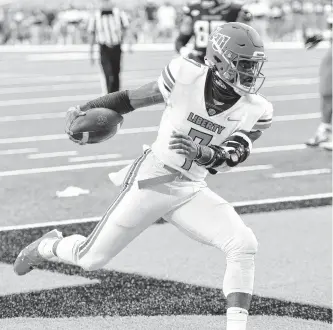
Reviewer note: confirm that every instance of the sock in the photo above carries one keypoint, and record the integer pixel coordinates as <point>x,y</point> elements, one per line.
<point>236,318</point>
<point>46,247</point>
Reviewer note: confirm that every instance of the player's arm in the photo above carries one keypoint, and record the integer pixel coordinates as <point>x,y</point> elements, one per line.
<point>128,100</point>
<point>233,151</point>
<point>244,15</point>
<point>238,146</point>
<point>185,32</point>
<point>155,92</point>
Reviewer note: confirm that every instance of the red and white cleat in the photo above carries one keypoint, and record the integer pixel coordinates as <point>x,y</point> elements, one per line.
<point>29,257</point>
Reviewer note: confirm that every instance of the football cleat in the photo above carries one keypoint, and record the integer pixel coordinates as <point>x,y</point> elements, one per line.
<point>322,139</point>
<point>29,257</point>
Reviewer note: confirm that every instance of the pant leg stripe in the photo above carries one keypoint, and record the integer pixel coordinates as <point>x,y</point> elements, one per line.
<point>84,247</point>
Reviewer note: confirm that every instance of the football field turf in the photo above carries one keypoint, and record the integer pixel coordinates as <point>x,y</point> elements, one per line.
<point>162,280</point>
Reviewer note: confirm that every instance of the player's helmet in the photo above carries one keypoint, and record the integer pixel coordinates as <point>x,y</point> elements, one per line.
<point>235,53</point>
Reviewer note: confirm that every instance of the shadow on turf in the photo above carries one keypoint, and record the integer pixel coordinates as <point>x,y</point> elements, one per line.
<point>123,294</point>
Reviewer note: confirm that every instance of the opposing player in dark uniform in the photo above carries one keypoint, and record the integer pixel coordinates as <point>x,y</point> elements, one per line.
<point>200,18</point>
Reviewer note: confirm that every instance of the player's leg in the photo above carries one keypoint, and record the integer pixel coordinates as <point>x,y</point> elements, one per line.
<point>115,62</point>
<point>211,220</point>
<point>106,66</point>
<point>323,135</point>
<point>131,212</point>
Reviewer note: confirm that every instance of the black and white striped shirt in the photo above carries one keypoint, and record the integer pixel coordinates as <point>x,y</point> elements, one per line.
<point>108,26</point>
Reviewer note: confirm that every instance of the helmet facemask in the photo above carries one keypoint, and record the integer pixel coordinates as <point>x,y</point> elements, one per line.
<point>242,72</point>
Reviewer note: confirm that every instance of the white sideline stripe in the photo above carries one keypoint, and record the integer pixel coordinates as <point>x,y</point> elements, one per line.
<point>53,154</point>
<point>53,115</point>
<point>73,98</point>
<point>279,148</point>
<point>248,168</point>
<point>283,199</point>
<point>96,219</point>
<point>90,158</point>
<point>65,168</point>
<point>18,151</point>
<point>301,173</point>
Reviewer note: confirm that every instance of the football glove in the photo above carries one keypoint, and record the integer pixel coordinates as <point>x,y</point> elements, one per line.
<point>71,115</point>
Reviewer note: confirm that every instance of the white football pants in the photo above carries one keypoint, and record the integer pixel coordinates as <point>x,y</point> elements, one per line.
<point>190,206</point>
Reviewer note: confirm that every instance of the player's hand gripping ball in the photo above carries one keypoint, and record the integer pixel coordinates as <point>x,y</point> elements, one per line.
<point>92,126</point>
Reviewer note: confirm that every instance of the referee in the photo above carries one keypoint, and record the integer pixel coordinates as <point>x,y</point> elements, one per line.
<point>106,28</point>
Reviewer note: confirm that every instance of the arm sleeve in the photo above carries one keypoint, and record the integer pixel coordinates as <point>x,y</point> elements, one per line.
<point>168,77</point>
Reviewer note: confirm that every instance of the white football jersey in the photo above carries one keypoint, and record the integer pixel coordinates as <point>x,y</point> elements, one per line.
<point>182,84</point>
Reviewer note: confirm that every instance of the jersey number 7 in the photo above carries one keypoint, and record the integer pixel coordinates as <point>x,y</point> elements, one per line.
<point>200,138</point>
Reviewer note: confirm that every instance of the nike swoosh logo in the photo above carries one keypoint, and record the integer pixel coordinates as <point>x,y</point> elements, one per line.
<point>233,119</point>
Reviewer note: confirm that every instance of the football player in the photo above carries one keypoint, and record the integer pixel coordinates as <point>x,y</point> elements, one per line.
<point>323,136</point>
<point>212,115</point>
<point>200,18</point>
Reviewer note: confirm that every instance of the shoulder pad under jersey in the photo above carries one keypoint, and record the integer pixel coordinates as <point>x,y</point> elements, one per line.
<point>190,70</point>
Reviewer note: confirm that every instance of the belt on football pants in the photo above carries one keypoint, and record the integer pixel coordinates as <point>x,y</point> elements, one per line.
<point>163,178</point>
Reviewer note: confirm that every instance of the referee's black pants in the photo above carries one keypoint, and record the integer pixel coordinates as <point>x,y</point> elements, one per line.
<point>110,62</point>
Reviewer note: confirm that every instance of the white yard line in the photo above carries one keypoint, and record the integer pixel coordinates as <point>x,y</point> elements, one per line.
<point>301,173</point>
<point>35,116</point>
<point>61,87</point>
<point>301,116</point>
<point>75,98</point>
<point>18,151</point>
<point>48,100</point>
<point>65,168</point>
<point>64,136</point>
<point>248,168</point>
<point>92,158</point>
<point>291,97</point>
<point>54,115</point>
<point>290,147</point>
<point>53,79</point>
<point>98,218</point>
<point>53,154</point>
<point>288,81</point>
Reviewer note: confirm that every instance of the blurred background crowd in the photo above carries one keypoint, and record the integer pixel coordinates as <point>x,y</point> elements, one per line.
<point>29,22</point>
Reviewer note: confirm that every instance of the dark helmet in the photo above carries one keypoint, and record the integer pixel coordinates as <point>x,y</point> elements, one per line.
<point>235,53</point>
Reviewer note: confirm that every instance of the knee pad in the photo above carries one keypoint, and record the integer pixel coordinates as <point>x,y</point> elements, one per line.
<point>239,276</point>
<point>244,244</point>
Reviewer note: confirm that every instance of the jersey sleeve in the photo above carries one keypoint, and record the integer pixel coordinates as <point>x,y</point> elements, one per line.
<point>168,77</point>
<point>265,121</point>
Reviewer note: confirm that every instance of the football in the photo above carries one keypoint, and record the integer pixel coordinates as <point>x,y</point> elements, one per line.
<point>99,124</point>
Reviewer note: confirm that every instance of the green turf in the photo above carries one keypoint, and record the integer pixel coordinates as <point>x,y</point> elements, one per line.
<point>160,323</point>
